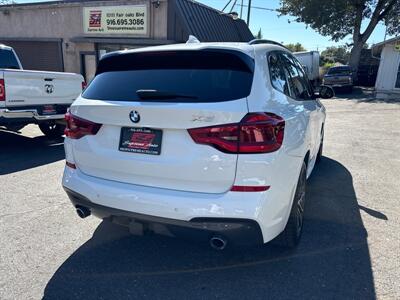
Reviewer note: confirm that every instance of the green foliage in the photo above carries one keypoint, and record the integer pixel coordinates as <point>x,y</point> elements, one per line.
<point>259,35</point>
<point>5,2</point>
<point>295,47</point>
<point>328,65</point>
<point>338,18</point>
<point>333,54</point>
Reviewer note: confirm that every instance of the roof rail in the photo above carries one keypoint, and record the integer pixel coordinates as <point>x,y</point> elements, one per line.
<point>262,41</point>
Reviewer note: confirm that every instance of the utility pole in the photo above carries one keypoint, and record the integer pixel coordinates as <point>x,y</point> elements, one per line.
<point>241,10</point>
<point>227,5</point>
<point>233,6</point>
<point>248,13</point>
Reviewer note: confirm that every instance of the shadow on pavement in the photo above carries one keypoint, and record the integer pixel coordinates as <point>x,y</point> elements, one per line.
<point>331,262</point>
<point>364,95</point>
<point>388,100</point>
<point>358,93</point>
<point>18,152</point>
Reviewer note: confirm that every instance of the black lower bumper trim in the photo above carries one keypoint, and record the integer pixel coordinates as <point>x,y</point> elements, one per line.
<point>241,232</point>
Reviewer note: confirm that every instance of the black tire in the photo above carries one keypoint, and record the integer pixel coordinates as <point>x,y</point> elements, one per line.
<point>52,130</point>
<point>291,235</point>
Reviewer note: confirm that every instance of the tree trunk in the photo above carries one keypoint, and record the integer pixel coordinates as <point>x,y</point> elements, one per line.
<point>355,55</point>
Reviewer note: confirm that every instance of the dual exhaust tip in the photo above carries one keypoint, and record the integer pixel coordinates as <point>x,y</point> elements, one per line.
<point>216,242</point>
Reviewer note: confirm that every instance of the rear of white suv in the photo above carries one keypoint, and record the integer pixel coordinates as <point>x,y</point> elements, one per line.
<point>191,138</point>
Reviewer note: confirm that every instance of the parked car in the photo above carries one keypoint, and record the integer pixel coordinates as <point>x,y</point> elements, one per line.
<point>209,138</point>
<point>36,97</point>
<point>339,77</point>
<point>310,62</point>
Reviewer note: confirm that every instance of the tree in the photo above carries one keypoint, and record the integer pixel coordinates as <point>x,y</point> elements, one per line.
<point>259,35</point>
<point>295,47</point>
<point>340,18</point>
<point>5,2</point>
<point>335,54</point>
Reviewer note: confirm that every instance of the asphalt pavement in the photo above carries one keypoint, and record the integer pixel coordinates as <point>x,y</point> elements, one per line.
<point>349,248</point>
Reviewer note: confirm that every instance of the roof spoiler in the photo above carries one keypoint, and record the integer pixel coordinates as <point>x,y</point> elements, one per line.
<point>262,41</point>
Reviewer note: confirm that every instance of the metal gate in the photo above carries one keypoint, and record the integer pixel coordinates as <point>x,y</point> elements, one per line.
<point>38,55</point>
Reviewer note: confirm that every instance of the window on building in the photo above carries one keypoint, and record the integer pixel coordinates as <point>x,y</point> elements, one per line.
<point>397,86</point>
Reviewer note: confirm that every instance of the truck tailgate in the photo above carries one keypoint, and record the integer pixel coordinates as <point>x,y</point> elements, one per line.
<point>33,88</point>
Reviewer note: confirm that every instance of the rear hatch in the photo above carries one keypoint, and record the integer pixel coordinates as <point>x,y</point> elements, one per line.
<point>166,93</point>
<point>35,88</point>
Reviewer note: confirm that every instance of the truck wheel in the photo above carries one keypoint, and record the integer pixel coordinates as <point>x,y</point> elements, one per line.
<point>52,130</point>
<point>290,236</point>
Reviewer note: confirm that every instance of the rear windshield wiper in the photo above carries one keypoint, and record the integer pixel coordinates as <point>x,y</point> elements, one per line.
<point>155,94</point>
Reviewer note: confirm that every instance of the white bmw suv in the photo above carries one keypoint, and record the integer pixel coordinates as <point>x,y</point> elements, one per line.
<point>213,140</point>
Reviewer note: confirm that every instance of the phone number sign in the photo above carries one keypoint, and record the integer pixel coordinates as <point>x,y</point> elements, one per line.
<point>126,19</point>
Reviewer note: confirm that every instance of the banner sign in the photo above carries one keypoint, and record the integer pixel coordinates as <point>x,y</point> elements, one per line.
<point>126,19</point>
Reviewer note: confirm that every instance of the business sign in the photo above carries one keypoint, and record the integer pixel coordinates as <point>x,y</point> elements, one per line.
<point>126,19</point>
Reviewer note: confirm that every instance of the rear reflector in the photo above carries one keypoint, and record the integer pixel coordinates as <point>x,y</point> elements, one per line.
<point>2,90</point>
<point>78,127</point>
<point>84,85</point>
<point>244,188</point>
<point>71,165</point>
<point>256,133</point>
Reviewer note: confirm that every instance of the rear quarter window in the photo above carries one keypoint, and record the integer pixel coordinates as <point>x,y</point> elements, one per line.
<point>202,76</point>
<point>8,60</point>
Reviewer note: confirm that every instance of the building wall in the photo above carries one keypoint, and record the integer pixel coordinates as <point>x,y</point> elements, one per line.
<point>388,67</point>
<point>65,21</point>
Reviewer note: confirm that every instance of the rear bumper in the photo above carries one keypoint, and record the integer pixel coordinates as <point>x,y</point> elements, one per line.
<point>267,210</point>
<point>28,114</point>
<point>241,232</point>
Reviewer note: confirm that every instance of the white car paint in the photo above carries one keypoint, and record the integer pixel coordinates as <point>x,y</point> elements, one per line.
<point>193,180</point>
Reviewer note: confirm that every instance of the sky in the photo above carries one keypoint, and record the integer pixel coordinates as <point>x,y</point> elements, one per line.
<point>281,29</point>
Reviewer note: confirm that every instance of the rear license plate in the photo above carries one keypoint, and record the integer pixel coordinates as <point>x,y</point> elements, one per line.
<point>49,110</point>
<point>140,140</point>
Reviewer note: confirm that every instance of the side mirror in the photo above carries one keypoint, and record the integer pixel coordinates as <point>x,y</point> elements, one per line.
<point>325,92</point>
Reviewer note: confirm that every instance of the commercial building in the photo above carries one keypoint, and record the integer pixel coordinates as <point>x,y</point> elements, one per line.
<point>388,80</point>
<point>72,35</point>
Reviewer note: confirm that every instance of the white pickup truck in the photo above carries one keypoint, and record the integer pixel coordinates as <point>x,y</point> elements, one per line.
<point>34,97</point>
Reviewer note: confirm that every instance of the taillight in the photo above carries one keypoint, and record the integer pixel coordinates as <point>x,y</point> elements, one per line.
<point>256,133</point>
<point>2,90</point>
<point>78,127</point>
<point>84,85</point>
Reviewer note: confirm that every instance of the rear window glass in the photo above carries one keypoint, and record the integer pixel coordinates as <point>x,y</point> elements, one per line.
<point>8,60</point>
<point>339,71</point>
<point>184,76</point>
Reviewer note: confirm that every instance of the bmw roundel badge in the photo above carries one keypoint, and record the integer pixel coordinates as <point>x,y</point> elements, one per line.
<point>134,116</point>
